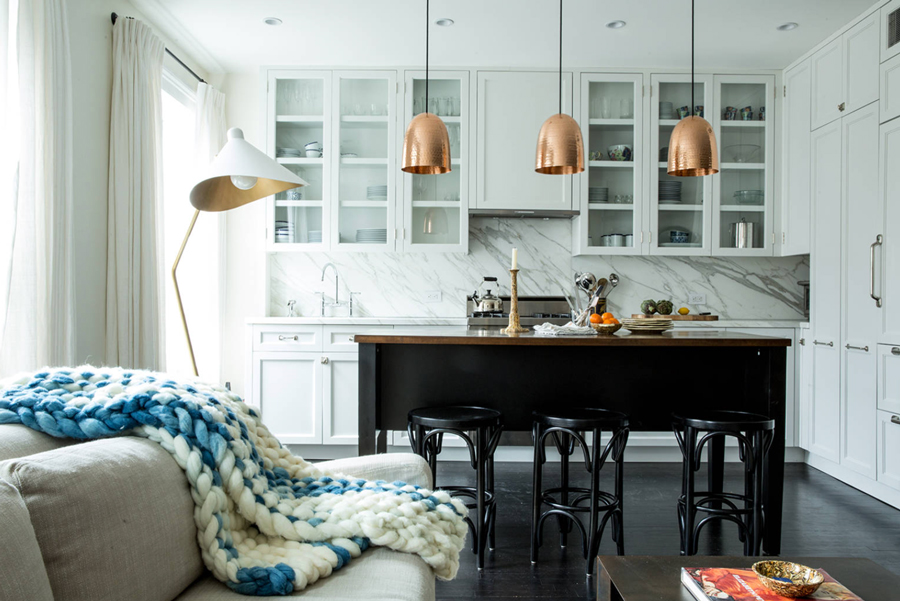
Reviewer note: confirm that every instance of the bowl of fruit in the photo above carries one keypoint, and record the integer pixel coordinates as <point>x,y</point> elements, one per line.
<point>605,324</point>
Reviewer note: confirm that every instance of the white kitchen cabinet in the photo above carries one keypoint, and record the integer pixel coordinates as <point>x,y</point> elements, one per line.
<point>890,89</point>
<point>435,207</point>
<point>795,174</point>
<point>804,367</point>
<point>862,220</point>
<point>825,298</point>
<point>845,72</point>
<point>340,394</point>
<point>889,449</point>
<point>511,107</point>
<point>889,378</point>
<point>287,388</point>
<point>889,285</point>
<point>611,114</point>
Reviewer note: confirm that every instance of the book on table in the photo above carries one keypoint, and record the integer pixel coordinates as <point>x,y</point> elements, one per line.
<point>730,584</point>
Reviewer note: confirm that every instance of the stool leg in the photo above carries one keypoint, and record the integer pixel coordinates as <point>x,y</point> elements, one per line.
<point>536,491</point>
<point>690,444</point>
<point>480,534</point>
<point>564,525</point>
<point>758,456</point>
<point>594,522</point>
<point>619,517</point>
<point>490,487</point>
<point>716,467</point>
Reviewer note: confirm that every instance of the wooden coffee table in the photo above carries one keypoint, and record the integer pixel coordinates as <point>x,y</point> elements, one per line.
<point>658,578</point>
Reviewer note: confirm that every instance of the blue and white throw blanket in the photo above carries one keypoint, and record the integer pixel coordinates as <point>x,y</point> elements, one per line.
<point>268,522</point>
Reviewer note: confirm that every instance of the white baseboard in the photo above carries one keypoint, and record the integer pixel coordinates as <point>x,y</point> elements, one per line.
<point>873,488</point>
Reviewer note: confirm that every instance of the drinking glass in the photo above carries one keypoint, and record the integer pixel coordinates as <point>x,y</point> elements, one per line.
<point>358,109</point>
<point>454,106</point>
<point>433,106</point>
<point>626,108</point>
<point>605,108</point>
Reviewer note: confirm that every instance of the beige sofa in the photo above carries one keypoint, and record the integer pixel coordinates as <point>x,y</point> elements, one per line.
<point>113,520</point>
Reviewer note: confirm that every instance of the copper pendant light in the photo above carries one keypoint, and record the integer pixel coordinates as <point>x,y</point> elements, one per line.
<point>426,146</point>
<point>560,146</point>
<point>692,147</point>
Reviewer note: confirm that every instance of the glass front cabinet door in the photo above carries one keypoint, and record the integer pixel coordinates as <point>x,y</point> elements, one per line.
<point>299,127</point>
<point>611,197</point>
<point>435,207</point>
<point>743,194</point>
<point>363,149</point>
<point>680,207</point>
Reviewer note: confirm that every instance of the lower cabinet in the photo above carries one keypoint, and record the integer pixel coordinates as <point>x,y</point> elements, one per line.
<point>340,394</point>
<point>287,388</point>
<point>804,387</point>
<point>889,449</point>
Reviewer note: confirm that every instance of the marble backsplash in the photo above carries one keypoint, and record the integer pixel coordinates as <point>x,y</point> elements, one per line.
<point>395,284</point>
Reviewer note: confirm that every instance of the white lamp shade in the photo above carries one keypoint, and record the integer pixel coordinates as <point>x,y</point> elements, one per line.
<point>216,192</point>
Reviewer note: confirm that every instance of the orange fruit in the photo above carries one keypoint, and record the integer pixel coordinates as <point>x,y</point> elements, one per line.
<point>614,320</point>
<point>607,315</point>
<point>596,318</point>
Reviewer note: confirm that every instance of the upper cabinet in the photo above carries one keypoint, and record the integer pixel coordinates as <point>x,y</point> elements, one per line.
<point>511,107</point>
<point>795,214</point>
<point>845,72</point>
<point>610,195</point>
<point>435,207</point>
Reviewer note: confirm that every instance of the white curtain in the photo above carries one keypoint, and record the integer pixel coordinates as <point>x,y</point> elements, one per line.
<point>134,291</point>
<point>37,299</point>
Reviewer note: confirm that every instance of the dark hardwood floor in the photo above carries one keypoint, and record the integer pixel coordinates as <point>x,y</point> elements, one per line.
<point>822,517</point>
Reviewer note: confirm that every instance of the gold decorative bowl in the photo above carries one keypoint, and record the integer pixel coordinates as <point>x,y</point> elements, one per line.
<point>606,329</point>
<point>787,578</point>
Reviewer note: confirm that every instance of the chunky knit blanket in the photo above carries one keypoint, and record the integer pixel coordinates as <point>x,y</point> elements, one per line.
<point>268,522</point>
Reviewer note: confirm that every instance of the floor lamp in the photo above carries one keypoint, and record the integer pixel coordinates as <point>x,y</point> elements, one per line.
<point>237,176</point>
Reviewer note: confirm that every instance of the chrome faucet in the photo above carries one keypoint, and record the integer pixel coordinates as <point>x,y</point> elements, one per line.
<point>337,301</point>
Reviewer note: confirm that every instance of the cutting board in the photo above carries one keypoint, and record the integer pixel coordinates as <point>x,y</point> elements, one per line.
<point>688,317</point>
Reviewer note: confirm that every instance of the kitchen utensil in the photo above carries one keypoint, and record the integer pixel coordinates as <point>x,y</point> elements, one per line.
<point>586,282</point>
<point>749,197</point>
<point>619,152</point>
<point>602,285</point>
<point>617,239</point>
<point>487,301</point>
<point>788,578</point>
<point>741,153</point>
<point>629,240</point>
<point>742,233</point>
<point>613,280</point>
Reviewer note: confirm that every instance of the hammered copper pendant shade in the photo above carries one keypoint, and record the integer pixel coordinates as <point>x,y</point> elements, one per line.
<point>692,148</point>
<point>560,147</point>
<point>426,146</point>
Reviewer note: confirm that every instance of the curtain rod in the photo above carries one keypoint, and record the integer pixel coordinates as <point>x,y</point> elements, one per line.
<point>114,16</point>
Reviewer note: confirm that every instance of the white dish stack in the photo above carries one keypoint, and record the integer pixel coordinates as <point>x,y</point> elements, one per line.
<point>284,232</point>
<point>314,236</point>
<point>292,153</point>
<point>376,193</point>
<point>667,111</point>
<point>371,236</point>
<point>598,195</point>
<point>669,192</point>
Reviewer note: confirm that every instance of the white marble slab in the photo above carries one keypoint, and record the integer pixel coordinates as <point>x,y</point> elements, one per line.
<point>349,321</point>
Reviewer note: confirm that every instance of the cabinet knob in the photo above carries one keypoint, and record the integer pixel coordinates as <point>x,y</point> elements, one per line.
<point>353,339</point>
<point>282,337</point>
<point>895,350</point>
<point>324,360</point>
<point>803,342</point>
<point>842,106</point>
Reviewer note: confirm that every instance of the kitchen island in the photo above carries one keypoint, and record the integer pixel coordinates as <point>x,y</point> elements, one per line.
<point>647,377</point>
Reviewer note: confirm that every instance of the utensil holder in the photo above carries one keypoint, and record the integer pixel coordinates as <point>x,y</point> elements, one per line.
<point>514,326</point>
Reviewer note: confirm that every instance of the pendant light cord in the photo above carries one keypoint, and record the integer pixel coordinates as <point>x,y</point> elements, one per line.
<point>692,58</point>
<point>427,30</point>
<point>560,53</point>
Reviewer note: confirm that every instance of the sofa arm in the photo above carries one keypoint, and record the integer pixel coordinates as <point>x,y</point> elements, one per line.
<point>406,467</point>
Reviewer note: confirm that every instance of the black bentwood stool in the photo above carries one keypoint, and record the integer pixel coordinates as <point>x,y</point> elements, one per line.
<point>566,501</point>
<point>427,427</point>
<point>754,434</point>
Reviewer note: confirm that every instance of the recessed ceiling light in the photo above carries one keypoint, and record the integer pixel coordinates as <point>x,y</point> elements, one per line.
<point>444,22</point>
<point>787,26</point>
<point>272,21</point>
<point>616,24</point>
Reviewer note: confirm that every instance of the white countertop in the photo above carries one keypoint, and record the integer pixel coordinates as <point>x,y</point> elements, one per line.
<point>461,321</point>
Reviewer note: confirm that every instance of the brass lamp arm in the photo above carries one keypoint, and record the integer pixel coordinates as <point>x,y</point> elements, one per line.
<point>178,293</point>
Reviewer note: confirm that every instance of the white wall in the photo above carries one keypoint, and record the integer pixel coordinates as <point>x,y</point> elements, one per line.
<point>90,31</point>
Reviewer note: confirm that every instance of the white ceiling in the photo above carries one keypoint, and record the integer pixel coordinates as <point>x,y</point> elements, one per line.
<point>230,36</point>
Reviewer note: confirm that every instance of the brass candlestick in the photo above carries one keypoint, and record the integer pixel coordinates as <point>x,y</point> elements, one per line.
<point>514,326</point>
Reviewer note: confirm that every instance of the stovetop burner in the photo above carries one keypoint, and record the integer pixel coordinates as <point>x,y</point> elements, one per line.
<point>533,310</point>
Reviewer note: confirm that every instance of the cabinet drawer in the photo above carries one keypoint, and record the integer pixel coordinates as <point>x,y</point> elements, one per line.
<point>287,338</point>
<point>890,89</point>
<point>340,338</point>
<point>889,378</point>
<point>889,449</point>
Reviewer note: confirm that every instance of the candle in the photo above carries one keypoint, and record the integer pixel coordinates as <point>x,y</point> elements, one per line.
<point>515,259</point>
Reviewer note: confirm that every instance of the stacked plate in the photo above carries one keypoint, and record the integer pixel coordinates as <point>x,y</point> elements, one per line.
<point>376,193</point>
<point>598,195</point>
<point>314,236</point>
<point>292,153</point>
<point>669,192</point>
<point>371,236</point>
<point>667,111</point>
<point>650,325</point>
<point>284,232</point>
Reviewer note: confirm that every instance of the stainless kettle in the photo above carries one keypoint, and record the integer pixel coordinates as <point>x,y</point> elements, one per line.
<point>487,301</point>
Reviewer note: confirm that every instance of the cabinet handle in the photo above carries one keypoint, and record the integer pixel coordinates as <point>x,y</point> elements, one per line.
<point>823,343</point>
<point>324,360</point>
<point>895,350</point>
<point>353,339</point>
<point>803,342</point>
<point>857,348</point>
<point>842,106</point>
<point>895,419</point>
<point>878,241</point>
<point>282,337</point>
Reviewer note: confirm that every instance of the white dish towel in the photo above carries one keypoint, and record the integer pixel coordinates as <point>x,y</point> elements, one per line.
<point>570,329</point>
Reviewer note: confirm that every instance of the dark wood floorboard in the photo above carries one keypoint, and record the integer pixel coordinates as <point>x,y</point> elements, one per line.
<point>822,517</point>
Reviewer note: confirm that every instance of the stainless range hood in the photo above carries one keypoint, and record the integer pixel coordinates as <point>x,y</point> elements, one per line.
<point>524,214</point>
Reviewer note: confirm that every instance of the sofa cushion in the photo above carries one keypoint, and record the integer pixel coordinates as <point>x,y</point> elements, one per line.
<point>406,467</point>
<point>380,574</point>
<point>24,576</point>
<point>17,440</point>
<point>113,518</point>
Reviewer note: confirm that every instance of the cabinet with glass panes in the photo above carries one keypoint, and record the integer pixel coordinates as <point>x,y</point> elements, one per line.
<point>299,105</point>
<point>435,207</point>
<point>680,207</point>
<point>362,150</point>
<point>743,195</point>
<point>611,197</point>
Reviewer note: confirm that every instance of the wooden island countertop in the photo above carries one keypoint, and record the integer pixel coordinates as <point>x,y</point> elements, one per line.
<point>495,337</point>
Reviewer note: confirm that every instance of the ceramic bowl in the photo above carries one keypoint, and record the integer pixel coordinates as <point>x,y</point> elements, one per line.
<point>606,329</point>
<point>679,237</point>
<point>619,152</point>
<point>787,578</point>
<point>313,154</point>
